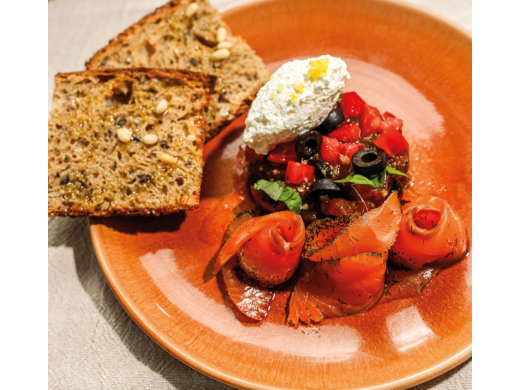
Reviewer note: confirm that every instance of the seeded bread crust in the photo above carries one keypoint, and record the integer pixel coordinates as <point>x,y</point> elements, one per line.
<point>93,173</point>
<point>167,38</point>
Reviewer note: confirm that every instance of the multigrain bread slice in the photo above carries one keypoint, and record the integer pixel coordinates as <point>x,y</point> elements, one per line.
<point>185,35</point>
<point>126,141</point>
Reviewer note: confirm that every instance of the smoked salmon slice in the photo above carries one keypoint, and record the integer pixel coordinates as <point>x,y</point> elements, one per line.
<point>431,232</point>
<point>268,248</point>
<point>322,231</point>
<point>402,284</point>
<point>349,276</point>
<point>338,288</point>
<point>374,231</point>
<point>252,301</point>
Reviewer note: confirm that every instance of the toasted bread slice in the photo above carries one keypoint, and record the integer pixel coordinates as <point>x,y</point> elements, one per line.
<point>184,35</point>
<point>126,141</point>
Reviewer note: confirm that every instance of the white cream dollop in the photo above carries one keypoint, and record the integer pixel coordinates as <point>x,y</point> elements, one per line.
<point>293,102</point>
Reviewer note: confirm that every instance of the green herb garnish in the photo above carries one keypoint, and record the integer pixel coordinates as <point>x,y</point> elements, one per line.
<point>375,181</point>
<point>340,96</point>
<point>379,179</point>
<point>393,171</point>
<point>278,191</point>
<point>355,178</point>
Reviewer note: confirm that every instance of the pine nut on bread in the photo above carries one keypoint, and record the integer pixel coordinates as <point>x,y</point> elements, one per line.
<point>191,35</point>
<point>126,141</point>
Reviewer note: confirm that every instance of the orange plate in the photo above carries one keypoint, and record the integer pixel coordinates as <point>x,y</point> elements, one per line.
<point>401,60</point>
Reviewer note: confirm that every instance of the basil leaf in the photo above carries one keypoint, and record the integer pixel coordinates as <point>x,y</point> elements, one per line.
<point>273,189</point>
<point>378,179</point>
<point>355,178</point>
<point>393,171</point>
<point>278,191</point>
<point>291,199</point>
<point>375,181</point>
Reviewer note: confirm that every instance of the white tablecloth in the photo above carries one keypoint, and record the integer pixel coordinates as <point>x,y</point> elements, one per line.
<point>93,343</point>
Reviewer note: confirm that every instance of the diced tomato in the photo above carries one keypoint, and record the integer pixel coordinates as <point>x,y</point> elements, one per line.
<point>283,153</point>
<point>348,133</point>
<point>392,142</point>
<point>342,158</point>
<point>348,150</point>
<point>353,149</point>
<point>252,156</point>
<point>390,121</point>
<point>370,121</point>
<point>299,173</point>
<point>329,151</point>
<point>352,105</point>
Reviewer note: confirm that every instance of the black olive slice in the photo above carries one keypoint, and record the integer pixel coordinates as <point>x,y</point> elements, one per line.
<point>326,187</point>
<point>322,169</point>
<point>335,118</point>
<point>368,162</point>
<point>308,144</point>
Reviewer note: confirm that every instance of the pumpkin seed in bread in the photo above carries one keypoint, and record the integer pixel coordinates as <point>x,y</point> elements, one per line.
<point>126,141</point>
<point>193,36</point>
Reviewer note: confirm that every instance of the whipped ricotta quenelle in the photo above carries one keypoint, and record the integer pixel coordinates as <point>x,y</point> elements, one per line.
<point>299,96</point>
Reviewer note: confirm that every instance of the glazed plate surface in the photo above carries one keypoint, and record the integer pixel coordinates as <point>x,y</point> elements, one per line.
<point>401,60</point>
